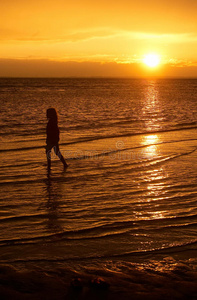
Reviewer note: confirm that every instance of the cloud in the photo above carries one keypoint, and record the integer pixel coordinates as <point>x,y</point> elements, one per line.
<point>164,37</point>
<point>7,34</point>
<point>78,20</point>
<point>48,68</point>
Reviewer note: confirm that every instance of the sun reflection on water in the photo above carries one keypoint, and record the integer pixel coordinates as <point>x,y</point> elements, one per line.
<point>152,112</point>
<point>155,191</point>
<point>151,141</point>
<point>155,177</point>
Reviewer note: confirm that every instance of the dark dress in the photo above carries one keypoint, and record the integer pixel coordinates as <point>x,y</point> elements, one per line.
<point>52,135</point>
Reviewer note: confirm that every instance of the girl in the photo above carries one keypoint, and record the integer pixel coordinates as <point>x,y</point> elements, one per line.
<point>53,137</point>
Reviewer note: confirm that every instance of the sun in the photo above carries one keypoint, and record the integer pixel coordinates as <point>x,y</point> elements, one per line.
<point>151,60</point>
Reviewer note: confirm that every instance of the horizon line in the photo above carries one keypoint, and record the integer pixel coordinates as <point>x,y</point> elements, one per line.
<point>99,77</point>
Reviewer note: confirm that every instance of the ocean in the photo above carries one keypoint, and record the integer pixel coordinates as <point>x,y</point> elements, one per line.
<point>128,200</point>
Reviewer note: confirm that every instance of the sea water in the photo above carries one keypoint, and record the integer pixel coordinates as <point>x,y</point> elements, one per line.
<point>129,195</point>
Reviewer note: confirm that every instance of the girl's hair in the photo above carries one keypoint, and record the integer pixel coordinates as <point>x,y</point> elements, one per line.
<point>52,114</point>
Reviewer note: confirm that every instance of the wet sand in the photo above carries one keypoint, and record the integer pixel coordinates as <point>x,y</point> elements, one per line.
<point>179,283</point>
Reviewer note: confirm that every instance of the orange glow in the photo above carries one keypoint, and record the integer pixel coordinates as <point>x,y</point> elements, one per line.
<point>114,33</point>
<point>151,140</point>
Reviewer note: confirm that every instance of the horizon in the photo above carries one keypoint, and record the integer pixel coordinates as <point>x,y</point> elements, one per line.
<point>102,77</point>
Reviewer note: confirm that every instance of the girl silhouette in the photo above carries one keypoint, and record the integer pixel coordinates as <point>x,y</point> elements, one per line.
<point>52,140</point>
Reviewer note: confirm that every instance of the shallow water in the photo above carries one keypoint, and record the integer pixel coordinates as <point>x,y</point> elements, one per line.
<point>130,191</point>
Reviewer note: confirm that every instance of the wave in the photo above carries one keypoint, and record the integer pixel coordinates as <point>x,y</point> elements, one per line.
<point>102,231</point>
<point>23,181</point>
<point>186,124</point>
<point>35,163</point>
<point>163,250</point>
<point>137,165</point>
<point>178,248</point>
<point>99,137</point>
<point>79,155</point>
<point>22,218</point>
<point>22,149</point>
<point>141,165</point>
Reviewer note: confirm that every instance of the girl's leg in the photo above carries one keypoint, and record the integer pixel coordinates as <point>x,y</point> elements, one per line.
<point>49,163</point>
<point>58,153</point>
<point>48,154</point>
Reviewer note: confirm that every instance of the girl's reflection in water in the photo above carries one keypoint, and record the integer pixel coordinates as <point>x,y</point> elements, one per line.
<point>53,196</point>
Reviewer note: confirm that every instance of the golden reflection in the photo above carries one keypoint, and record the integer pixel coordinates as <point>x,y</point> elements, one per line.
<point>53,205</point>
<point>155,176</point>
<point>152,118</point>
<point>156,191</point>
<point>151,141</point>
<point>151,107</point>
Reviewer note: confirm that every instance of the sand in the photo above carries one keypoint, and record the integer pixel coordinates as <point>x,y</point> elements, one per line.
<point>179,283</point>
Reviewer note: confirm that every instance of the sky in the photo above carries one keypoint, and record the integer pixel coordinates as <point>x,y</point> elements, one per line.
<point>97,38</point>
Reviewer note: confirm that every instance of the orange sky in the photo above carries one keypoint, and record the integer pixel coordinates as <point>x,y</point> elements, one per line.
<point>97,38</point>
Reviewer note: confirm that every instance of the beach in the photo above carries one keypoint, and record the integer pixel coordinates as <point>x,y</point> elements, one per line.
<point>124,211</point>
<point>176,282</point>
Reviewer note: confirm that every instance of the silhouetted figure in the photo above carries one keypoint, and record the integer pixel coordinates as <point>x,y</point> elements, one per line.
<point>52,140</point>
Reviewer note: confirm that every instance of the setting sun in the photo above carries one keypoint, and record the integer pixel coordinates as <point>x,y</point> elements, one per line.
<point>151,60</point>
